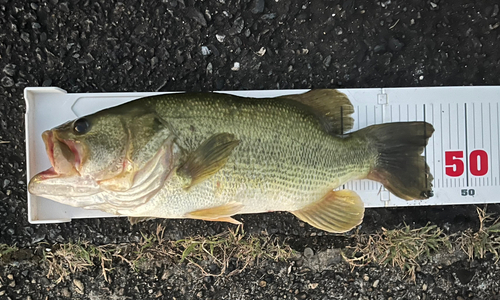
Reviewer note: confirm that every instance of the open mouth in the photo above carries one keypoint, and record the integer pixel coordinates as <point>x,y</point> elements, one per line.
<point>47,137</point>
<point>63,155</point>
<point>63,179</point>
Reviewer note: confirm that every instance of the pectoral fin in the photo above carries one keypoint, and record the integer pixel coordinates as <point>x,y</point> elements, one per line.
<point>208,158</point>
<point>221,213</point>
<point>337,211</point>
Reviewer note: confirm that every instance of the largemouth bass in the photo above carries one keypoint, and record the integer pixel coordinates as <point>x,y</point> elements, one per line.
<point>211,156</point>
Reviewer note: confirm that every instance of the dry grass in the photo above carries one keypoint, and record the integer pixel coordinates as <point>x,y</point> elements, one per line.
<point>220,249</point>
<point>6,249</point>
<point>486,240</point>
<point>78,257</point>
<point>403,248</point>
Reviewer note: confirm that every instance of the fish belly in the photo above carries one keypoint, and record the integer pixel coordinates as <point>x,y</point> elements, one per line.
<point>263,187</point>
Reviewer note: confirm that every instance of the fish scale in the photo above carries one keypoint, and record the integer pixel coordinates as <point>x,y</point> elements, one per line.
<point>311,162</point>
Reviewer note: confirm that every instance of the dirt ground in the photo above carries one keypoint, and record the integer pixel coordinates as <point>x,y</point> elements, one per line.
<point>187,45</point>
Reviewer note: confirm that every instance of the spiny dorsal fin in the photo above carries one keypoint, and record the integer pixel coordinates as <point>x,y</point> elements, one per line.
<point>337,211</point>
<point>208,158</point>
<point>332,107</point>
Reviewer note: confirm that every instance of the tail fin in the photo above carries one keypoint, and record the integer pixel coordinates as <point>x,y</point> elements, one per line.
<point>400,166</point>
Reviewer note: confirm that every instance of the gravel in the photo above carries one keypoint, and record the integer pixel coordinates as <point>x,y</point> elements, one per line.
<point>105,46</point>
<point>258,6</point>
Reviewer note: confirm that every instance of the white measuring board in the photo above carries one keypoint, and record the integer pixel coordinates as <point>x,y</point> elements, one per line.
<point>463,153</point>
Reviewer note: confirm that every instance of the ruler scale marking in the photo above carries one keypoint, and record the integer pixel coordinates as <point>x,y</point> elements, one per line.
<point>482,127</point>
<point>491,133</point>
<point>474,124</point>
<point>366,116</point>
<point>458,143</point>
<point>441,131</point>
<point>458,127</point>
<point>466,147</point>
<point>375,114</point>
<point>482,181</point>
<point>357,123</point>
<point>449,124</point>
<point>433,146</point>
<point>425,150</point>
<point>498,132</point>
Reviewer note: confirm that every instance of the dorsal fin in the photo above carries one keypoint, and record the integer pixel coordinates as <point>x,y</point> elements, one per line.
<point>332,107</point>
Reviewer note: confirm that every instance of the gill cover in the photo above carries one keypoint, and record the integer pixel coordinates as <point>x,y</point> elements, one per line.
<point>121,157</point>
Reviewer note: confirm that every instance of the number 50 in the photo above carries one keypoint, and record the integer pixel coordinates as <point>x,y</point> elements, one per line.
<point>478,163</point>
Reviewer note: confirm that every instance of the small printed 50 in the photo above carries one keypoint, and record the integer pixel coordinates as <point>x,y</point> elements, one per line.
<point>455,163</point>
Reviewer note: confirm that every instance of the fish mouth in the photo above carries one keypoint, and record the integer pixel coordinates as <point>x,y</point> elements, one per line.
<point>64,155</point>
<point>63,181</point>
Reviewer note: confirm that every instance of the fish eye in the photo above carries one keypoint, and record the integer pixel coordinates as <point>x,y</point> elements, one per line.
<point>81,126</point>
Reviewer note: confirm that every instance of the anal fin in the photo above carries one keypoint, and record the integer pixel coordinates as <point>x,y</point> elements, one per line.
<point>224,219</point>
<point>337,211</point>
<point>221,213</point>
